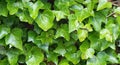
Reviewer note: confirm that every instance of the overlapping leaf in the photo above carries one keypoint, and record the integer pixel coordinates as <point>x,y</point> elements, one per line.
<point>45,20</point>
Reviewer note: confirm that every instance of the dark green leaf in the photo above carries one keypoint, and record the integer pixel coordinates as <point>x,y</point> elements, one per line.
<point>3,9</point>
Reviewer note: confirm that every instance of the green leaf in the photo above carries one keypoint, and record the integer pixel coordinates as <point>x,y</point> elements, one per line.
<point>71,48</point>
<point>73,57</point>
<point>59,15</point>
<point>4,30</point>
<point>45,20</point>
<point>62,31</point>
<point>89,53</point>
<point>105,33</point>
<point>12,7</point>
<point>82,34</point>
<point>60,50</point>
<point>64,62</point>
<point>52,57</point>
<point>94,41</point>
<point>73,23</point>
<point>14,38</point>
<point>83,14</point>
<point>76,7</point>
<point>24,16</point>
<point>97,20</point>
<point>84,46</point>
<point>12,55</point>
<point>34,8</point>
<point>4,62</point>
<point>117,10</point>
<point>103,4</point>
<point>34,56</point>
<point>46,37</point>
<point>31,36</point>
<point>114,29</point>
<point>104,44</point>
<point>3,9</point>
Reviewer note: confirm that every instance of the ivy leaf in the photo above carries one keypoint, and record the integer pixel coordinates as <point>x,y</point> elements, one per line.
<point>3,10</point>
<point>45,20</point>
<point>97,20</point>
<point>89,53</point>
<point>34,8</point>
<point>34,56</point>
<point>62,31</point>
<point>104,4</point>
<point>46,37</point>
<point>82,34</point>
<point>83,14</point>
<point>105,33</point>
<point>104,44</point>
<point>14,39</point>
<point>60,50</point>
<point>73,23</point>
<point>31,36</point>
<point>117,10</point>
<point>4,31</point>
<point>73,57</point>
<point>114,28</point>
<point>24,16</point>
<point>94,41</point>
<point>12,55</point>
<point>11,6</point>
<point>4,62</point>
<point>64,62</point>
<point>52,57</point>
<point>84,46</point>
<point>59,15</point>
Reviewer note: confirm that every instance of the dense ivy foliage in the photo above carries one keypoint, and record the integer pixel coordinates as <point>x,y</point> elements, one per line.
<point>59,32</point>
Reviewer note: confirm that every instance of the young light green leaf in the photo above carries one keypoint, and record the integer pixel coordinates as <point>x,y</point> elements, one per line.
<point>14,39</point>
<point>3,9</point>
<point>4,31</point>
<point>64,62</point>
<point>34,8</point>
<point>117,10</point>
<point>82,34</point>
<point>103,4</point>
<point>105,33</point>
<point>59,15</point>
<point>83,14</point>
<point>45,20</point>
<point>62,31</point>
<point>34,56</point>
<point>73,23</point>
<point>12,7</point>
